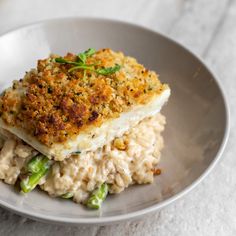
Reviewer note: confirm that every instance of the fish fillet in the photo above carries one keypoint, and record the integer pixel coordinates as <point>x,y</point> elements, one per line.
<point>58,111</point>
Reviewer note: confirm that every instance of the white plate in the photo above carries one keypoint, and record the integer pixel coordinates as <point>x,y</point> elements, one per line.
<point>197,114</point>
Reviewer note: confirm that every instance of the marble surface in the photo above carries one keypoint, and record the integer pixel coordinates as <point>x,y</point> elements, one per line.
<point>207,27</point>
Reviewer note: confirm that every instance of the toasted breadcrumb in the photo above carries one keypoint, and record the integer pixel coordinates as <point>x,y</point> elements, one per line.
<point>53,104</point>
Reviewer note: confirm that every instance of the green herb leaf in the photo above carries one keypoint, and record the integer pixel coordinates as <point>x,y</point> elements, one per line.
<point>85,67</point>
<point>60,60</point>
<point>108,70</point>
<point>63,61</point>
<point>89,52</point>
<point>85,75</point>
<point>84,55</point>
<point>81,64</point>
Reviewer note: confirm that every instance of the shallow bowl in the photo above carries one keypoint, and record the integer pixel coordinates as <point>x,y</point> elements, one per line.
<point>197,114</point>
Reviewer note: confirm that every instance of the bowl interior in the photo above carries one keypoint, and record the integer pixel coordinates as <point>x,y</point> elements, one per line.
<point>196,113</point>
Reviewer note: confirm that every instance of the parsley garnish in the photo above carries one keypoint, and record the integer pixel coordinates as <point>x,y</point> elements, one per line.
<point>80,63</point>
<point>88,53</point>
<point>108,70</point>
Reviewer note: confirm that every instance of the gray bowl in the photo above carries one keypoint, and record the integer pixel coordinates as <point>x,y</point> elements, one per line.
<point>197,114</point>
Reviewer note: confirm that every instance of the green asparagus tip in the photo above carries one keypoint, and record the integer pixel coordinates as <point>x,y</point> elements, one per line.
<point>97,197</point>
<point>37,168</point>
<point>37,163</point>
<point>67,195</point>
<point>31,181</point>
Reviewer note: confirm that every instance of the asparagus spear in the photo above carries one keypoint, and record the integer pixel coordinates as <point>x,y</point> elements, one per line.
<point>37,167</point>
<point>67,195</point>
<point>37,163</point>
<point>97,197</point>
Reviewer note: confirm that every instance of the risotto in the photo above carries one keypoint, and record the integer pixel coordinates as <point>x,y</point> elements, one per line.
<point>127,160</point>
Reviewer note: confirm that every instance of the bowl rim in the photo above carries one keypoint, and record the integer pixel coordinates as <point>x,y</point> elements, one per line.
<point>139,213</point>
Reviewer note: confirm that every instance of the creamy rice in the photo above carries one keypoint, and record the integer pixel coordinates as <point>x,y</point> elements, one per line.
<point>13,156</point>
<point>127,160</point>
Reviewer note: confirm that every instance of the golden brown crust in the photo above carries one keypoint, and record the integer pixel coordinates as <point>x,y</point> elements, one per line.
<point>53,104</point>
